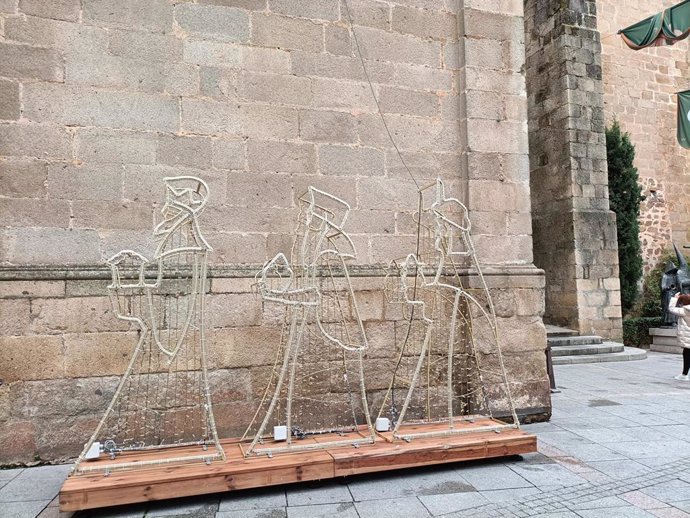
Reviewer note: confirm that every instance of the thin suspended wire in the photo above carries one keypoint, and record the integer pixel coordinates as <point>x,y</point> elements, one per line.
<point>373,94</point>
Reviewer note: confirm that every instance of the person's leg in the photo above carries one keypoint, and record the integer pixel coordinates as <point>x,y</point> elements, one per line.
<point>686,365</point>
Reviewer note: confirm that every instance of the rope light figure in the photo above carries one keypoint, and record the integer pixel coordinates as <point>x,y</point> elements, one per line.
<point>163,398</point>
<point>315,397</point>
<point>449,367</point>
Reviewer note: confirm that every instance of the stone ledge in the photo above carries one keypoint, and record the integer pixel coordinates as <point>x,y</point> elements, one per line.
<point>102,271</point>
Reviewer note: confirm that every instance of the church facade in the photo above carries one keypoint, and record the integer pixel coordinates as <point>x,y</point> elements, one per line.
<point>505,101</point>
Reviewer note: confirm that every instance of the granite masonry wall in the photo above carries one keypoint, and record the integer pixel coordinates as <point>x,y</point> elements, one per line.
<point>639,91</point>
<point>574,230</point>
<point>101,99</point>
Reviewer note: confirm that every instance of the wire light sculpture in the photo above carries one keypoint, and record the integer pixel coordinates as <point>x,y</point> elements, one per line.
<point>316,392</point>
<point>449,367</point>
<point>163,399</point>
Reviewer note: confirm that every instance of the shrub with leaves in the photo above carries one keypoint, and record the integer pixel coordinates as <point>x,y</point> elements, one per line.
<point>625,195</point>
<point>649,302</point>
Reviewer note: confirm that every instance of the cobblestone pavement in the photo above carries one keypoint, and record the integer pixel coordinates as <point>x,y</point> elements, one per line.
<point>618,445</point>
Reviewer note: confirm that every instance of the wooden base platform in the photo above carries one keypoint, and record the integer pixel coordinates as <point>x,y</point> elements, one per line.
<point>89,491</point>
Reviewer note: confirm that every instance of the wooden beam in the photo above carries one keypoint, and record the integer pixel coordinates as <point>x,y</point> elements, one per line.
<point>94,490</point>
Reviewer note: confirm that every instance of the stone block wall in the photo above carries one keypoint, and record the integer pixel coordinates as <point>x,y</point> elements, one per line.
<point>639,91</point>
<point>62,351</point>
<point>574,231</point>
<point>101,99</point>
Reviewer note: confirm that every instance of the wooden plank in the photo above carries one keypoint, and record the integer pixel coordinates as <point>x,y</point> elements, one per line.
<point>95,490</point>
<point>423,452</point>
<point>89,492</point>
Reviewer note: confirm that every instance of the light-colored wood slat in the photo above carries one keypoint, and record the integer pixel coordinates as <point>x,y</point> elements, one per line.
<point>95,490</point>
<point>423,452</point>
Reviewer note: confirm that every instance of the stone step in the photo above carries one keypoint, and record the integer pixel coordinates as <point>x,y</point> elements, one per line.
<point>663,331</point>
<point>665,340</point>
<point>559,331</point>
<point>628,353</point>
<point>581,349</point>
<point>670,349</point>
<point>568,341</point>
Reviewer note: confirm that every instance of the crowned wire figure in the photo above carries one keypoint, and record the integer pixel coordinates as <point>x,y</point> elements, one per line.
<point>315,397</point>
<point>449,369</point>
<point>163,399</point>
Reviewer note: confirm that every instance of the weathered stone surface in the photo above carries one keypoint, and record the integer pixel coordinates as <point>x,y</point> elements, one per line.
<point>251,5</point>
<point>383,193</point>
<point>391,46</point>
<point>64,439</point>
<point>98,354</point>
<point>210,117</point>
<point>27,62</point>
<point>151,15</point>
<point>237,248</point>
<point>112,146</point>
<point>8,6</point>
<point>87,396</point>
<point>52,246</point>
<point>9,100</point>
<point>89,67</point>
<point>213,22</point>
<point>286,33</point>
<point>338,40</point>
<point>113,215</point>
<point>15,316</point>
<point>30,358</point>
<point>249,189</point>
<point>370,13</point>
<point>326,126</point>
<point>313,9</point>
<point>212,54</point>
<point>23,178</point>
<point>233,310</point>
<point>229,154</point>
<point>145,46</point>
<point>184,151</point>
<point>351,96</point>
<point>218,82</point>
<point>226,285</point>
<point>351,161</point>
<point>274,61</point>
<point>76,315</point>
<point>284,157</point>
<point>88,107</point>
<point>28,212</point>
<point>396,100</point>
<point>270,122</point>
<point>85,183</point>
<point>242,347</point>
<point>16,289</point>
<point>57,9</point>
<point>19,444</point>
<point>273,88</point>
<point>436,25</point>
<point>182,79</point>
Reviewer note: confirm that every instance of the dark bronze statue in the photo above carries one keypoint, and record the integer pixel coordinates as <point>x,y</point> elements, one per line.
<point>675,279</point>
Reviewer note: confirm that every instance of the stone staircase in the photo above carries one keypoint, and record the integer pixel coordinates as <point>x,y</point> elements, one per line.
<point>567,347</point>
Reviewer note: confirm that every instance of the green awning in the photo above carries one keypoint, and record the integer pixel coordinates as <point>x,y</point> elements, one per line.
<point>684,119</point>
<point>664,28</point>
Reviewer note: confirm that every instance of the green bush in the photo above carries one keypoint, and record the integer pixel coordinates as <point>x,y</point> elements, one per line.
<point>649,301</point>
<point>624,198</point>
<point>636,331</point>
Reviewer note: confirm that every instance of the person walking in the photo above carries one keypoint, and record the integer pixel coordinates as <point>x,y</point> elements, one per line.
<point>679,305</point>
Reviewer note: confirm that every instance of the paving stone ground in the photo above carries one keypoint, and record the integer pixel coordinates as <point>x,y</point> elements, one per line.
<point>618,445</point>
